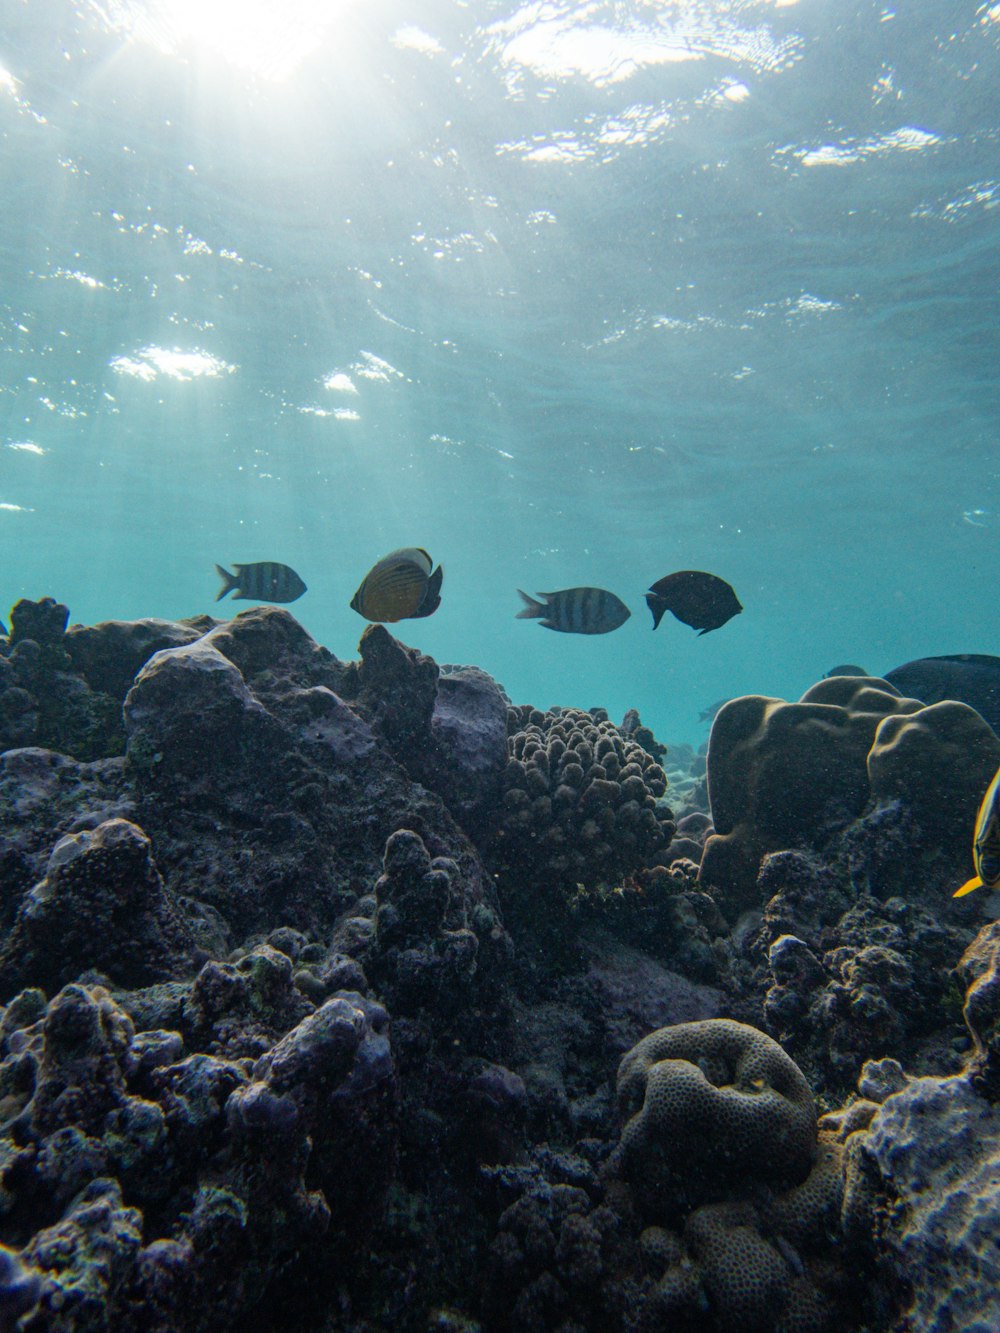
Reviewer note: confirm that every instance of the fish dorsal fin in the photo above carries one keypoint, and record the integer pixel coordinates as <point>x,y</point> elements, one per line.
<point>410,555</point>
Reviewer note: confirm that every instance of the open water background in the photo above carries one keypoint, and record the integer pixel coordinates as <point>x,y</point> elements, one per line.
<point>567,293</point>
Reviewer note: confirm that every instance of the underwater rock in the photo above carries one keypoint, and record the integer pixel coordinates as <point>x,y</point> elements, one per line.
<point>100,905</point>
<point>190,715</point>
<point>398,689</point>
<point>211,1155</point>
<point>43,797</point>
<point>922,1196</point>
<point>20,1287</point>
<point>86,1258</point>
<point>44,622</point>
<point>979,972</point>
<point>846,975</point>
<point>467,760</point>
<point>424,953</point>
<point>285,769</point>
<point>43,701</point>
<point>636,993</point>
<point>325,1095</point>
<point>110,654</point>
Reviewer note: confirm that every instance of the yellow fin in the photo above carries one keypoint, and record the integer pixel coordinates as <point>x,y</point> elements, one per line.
<point>974,883</point>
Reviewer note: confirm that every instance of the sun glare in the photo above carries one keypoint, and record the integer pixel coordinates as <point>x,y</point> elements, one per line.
<point>262,37</point>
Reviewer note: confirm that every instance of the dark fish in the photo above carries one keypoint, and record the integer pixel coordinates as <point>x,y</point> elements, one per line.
<point>701,600</point>
<point>576,610</point>
<point>265,581</point>
<point>3,630</point>
<point>846,669</point>
<point>708,714</point>
<point>971,678</point>
<point>986,843</point>
<point>399,587</point>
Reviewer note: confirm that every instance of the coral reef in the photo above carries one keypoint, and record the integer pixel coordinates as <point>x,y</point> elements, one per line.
<point>582,809</point>
<point>921,1198</point>
<point>211,1153</point>
<point>718,1209</point>
<point>792,775</point>
<point>316,974</point>
<point>101,905</point>
<point>717,1093</point>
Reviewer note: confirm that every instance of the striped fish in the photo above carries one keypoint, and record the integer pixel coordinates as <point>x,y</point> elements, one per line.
<point>265,581</point>
<point>986,843</point>
<point>576,610</point>
<point>400,586</point>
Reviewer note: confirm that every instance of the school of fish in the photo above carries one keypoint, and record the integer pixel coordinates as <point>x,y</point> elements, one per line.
<point>405,585</point>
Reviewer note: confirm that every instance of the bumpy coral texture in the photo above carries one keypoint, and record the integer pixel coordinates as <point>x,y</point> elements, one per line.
<point>922,1190</point>
<point>147,1185</point>
<point>581,800</point>
<point>979,970</point>
<point>101,904</point>
<point>790,775</point>
<point>710,1109</point>
<point>424,952</point>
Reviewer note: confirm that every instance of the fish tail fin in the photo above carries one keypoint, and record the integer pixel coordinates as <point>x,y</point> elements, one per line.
<point>431,599</point>
<point>532,609</point>
<point>970,884</point>
<point>657,605</point>
<point>229,582</point>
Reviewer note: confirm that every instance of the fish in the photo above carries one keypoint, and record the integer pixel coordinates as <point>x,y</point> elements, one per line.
<point>576,610</point>
<point>703,601</point>
<point>400,586</point>
<point>263,581</point>
<point>971,678</point>
<point>3,630</point>
<point>986,843</point>
<point>708,714</point>
<point>845,669</point>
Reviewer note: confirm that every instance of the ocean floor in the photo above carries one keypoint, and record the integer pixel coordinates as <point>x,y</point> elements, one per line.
<point>354,996</point>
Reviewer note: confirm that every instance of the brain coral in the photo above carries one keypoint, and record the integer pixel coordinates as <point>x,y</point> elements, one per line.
<point>580,803</point>
<point>711,1108</point>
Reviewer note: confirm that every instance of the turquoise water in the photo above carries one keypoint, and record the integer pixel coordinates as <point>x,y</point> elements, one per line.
<point>566,293</point>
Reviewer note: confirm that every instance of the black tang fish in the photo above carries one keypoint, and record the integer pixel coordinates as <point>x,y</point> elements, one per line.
<point>701,600</point>
<point>971,678</point>
<point>986,843</point>
<point>576,610</point>
<point>399,587</point>
<point>265,581</point>
<point>708,714</point>
<point>845,669</point>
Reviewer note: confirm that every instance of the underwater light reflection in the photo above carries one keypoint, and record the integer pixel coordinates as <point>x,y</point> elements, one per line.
<point>257,36</point>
